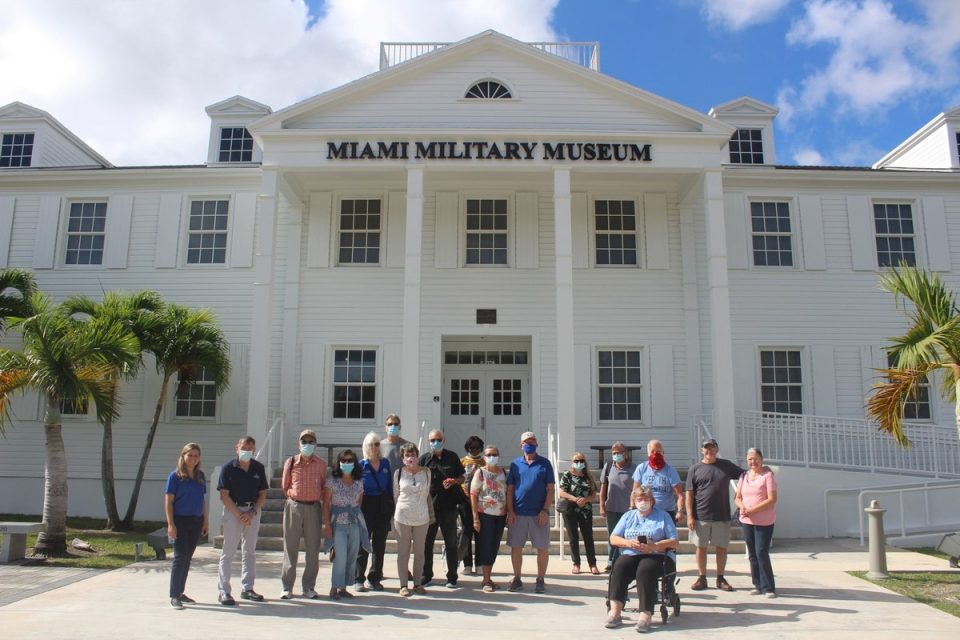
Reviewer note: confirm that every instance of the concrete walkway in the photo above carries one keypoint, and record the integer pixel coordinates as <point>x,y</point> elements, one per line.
<point>816,596</point>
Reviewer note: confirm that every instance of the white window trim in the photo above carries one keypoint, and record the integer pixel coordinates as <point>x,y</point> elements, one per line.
<point>806,369</point>
<point>919,244</point>
<point>339,198</point>
<point>766,132</point>
<point>185,229</point>
<point>170,408</point>
<point>644,387</point>
<point>511,228</point>
<point>253,149</point>
<point>36,144</point>
<point>63,226</point>
<point>89,416</point>
<point>509,86</point>
<point>637,200</point>
<point>796,238</point>
<point>328,384</point>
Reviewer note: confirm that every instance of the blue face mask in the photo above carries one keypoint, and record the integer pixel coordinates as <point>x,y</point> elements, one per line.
<point>307,448</point>
<point>579,466</point>
<point>618,457</point>
<point>436,445</point>
<point>346,467</point>
<point>245,456</point>
<point>529,447</point>
<point>393,430</point>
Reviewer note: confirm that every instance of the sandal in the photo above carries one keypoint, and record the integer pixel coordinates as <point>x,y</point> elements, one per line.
<point>613,622</point>
<point>595,571</point>
<point>576,569</point>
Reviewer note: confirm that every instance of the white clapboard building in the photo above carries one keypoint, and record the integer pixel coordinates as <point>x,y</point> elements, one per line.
<point>493,237</point>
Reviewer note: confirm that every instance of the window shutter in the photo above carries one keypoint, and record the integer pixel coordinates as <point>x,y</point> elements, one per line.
<point>528,231</point>
<point>168,231</point>
<point>935,231</point>
<point>580,220</point>
<point>7,204</point>
<point>396,229</point>
<point>863,248</point>
<point>152,382</point>
<point>45,242</point>
<point>318,232</point>
<point>824,381</point>
<point>311,383</point>
<point>811,228</point>
<point>233,402</point>
<point>657,238</point>
<point>390,397</point>
<point>735,220</point>
<point>447,230</point>
<point>747,390</point>
<point>663,408</point>
<point>583,379</point>
<point>119,213</point>
<point>242,222</point>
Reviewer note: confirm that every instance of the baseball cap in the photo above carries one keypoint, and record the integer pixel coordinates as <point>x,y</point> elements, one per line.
<point>710,442</point>
<point>526,435</point>
<point>308,432</point>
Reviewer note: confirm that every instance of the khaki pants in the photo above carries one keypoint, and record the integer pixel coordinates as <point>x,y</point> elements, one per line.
<point>301,520</point>
<point>410,535</point>
<point>234,534</point>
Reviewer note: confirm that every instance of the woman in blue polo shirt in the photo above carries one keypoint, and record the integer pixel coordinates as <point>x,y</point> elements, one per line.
<point>377,507</point>
<point>185,508</point>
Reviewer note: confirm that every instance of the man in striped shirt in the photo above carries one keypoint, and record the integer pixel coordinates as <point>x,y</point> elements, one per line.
<point>304,477</point>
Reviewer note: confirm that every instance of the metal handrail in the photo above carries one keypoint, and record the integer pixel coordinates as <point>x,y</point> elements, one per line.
<point>585,53</point>
<point>900,493</point>
<point>553,455</point>
<point>827,493</point>
<point>274,436</point>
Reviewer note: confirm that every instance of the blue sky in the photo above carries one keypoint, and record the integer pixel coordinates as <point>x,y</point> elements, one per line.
<point>852,78</point>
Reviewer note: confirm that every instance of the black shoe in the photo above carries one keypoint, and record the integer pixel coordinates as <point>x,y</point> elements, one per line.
<point>184,598</point>
<point>226,600</point>
<point>376,586</point>
<point>425,582</point>
<point>251,595</point>
<point>176,603</point>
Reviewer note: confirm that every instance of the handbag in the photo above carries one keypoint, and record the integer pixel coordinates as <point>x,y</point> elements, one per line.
<point>565,507</point>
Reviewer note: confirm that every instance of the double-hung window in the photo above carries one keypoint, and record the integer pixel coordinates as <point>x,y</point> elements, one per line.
<point>770,229</point>
<point>486,231</point>
<point>198,397</point>
<point>896,243</point>
<point>74,408</point>
<point>781,381</point>
<point>16,150</point>
<point>354,384</point>
<point>619,386</point>
<point>360,223</point>
<point>207,232</point>
<point>615,228</point>
<point>917,406</point>
<point>236,145</point>
<point>86,230</point>
<point>746,146</point>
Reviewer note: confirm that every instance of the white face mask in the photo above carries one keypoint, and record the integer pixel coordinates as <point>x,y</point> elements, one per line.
<point>644,505</point>
<point>492,460</point>
<point>245,456</point>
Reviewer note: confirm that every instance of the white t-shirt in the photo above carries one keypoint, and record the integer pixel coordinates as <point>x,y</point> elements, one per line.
<point>412,491</point>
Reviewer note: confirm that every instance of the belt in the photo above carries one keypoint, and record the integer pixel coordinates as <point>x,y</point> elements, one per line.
<point>252,503</point>
<point>305,501</point>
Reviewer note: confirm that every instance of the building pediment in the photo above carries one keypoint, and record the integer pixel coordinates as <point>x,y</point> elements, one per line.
<point>238,105</point>
<point>744,106</point>
<point>18,117</point>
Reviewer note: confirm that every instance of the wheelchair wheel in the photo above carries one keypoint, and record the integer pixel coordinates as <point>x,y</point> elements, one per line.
<point>675,601</point>
<point>663,614</point>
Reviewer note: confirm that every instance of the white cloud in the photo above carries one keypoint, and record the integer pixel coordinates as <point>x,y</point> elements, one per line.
<point>132,78</point>
<point>739,14</point>
<point>808,157</point>
<point>878,60</point>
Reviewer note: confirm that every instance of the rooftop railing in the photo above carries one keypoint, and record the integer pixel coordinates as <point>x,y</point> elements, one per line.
<point>586,54</point>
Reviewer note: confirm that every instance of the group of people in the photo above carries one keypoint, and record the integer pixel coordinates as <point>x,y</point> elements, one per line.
<point>350,509</point>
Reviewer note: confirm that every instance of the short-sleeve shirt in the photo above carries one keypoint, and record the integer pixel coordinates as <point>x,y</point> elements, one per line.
<point>662,482</point>
<point>470,466</point>
<point>579,487</point>
<point>244,486</point>
<point>491,491</point>
<point>391,451</point>
<point>656,525</point>
<point>187,494</point>
<point>344,495</point>
<point>755,491</point>
<point>412,490</point>
<point>619,485</point>
<point>446,465</point>
<point>304,478</point>
<point>529,482</point>
<point>710,484</point>
<point>376,482</point>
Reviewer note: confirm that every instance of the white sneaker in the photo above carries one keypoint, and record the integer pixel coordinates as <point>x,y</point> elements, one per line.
<point>360,587</point>
<point>771,595</point>
<point>286,595</point>
<point>310,593</point>
<point>755,592</point>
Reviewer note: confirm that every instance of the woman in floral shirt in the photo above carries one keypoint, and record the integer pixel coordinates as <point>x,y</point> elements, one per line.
<point>488,495</point>
<point>578,487</point>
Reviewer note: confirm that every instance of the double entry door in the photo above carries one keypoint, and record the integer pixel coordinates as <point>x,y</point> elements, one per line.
<point>493,403</point>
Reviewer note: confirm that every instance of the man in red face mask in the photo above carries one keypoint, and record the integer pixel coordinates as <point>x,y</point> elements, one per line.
<point>663,478</point>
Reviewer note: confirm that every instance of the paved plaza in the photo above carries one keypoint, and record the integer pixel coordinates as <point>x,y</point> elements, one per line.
<point>816,597</point>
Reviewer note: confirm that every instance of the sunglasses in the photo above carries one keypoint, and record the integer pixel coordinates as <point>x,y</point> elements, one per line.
<point>348,460</point>
<point>393,424</point>
<point>308,442</point>
<point>578,461</point>
<point>435,441</point>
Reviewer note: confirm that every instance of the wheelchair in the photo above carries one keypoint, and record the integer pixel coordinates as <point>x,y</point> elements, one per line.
<point>667,598</point>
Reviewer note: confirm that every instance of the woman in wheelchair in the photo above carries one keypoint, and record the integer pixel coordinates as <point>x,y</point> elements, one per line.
<point>647,539</point>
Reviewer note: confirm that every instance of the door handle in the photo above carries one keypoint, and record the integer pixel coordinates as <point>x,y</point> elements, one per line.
<point>483,424</point>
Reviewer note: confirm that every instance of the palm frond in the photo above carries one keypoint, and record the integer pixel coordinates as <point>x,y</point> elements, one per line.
<point>886,402</point>
<point>17,287</point>
<point>934,313</point>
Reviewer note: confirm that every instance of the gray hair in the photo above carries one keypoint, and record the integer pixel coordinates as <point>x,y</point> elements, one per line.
<point>368,441</point>
<point>642,490</point>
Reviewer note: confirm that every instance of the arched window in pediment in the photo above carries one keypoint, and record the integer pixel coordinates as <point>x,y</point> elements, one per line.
<point>489,90</point>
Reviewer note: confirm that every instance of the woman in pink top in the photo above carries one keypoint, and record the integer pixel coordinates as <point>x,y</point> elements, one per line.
<point>756,498</point>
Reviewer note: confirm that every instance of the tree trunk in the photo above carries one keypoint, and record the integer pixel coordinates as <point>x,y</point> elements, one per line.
<point>107,479</point>
<point>53,541</point>
<point>956,405</point>
<point>134,497</point>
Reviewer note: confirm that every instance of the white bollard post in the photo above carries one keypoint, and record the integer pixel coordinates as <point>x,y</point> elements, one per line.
<point>877,543</point>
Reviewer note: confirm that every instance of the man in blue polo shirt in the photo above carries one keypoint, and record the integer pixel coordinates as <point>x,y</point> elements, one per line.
<point>530,486</point>
<point>243,490</point>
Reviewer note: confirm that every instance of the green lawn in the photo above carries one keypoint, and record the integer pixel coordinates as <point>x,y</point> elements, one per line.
<point>113,550</point>
<point>939,589</point>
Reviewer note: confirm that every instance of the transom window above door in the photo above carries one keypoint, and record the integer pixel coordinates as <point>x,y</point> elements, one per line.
<point>360,224</point>
<point>485,357</point>
<point>486,231</point>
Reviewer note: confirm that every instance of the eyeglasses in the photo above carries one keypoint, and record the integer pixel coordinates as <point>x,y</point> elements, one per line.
<point>308,442</point>
<point>435,441</point>
<point>578,460</point>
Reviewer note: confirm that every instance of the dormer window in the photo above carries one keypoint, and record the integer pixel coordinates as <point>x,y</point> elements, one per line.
<point>488,90</point>
<point>746,146</point>
<point>236,145</point>
<point>16,150</point>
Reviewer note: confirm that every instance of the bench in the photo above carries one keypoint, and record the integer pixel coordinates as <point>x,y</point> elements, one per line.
<point>159,542</point>
<point>15,539</point>
<point>601,448</point>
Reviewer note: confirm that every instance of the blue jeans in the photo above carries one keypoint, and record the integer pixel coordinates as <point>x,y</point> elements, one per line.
<point>346,542</point>
<point>758,549</point>
<point>188,535</point>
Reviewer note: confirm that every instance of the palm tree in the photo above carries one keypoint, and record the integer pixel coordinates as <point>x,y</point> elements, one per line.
<point>184,342</point>
<point>65,361</point>
<point>932,342</point>
<point>137,313</point>
<point>16,288</point>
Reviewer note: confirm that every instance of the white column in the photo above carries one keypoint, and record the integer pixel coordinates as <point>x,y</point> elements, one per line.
<point>289,380</point>
<point>563,232</point>
<point>691,307</point>
<point>410,369</point>
<point>721,341</point>
<point>258,392</point>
